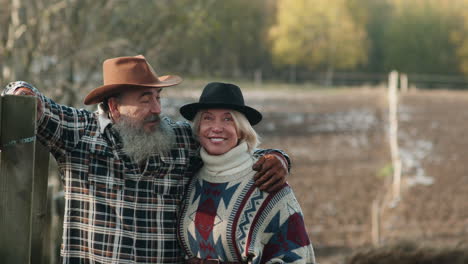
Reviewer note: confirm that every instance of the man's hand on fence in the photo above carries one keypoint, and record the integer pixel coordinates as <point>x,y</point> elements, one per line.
<point>13,86</point>
<point>25,89</point>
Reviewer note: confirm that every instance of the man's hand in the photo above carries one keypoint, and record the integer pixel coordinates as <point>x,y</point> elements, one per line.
<point>13,87</point>
<point>25,91</point>
<point>272,172</point>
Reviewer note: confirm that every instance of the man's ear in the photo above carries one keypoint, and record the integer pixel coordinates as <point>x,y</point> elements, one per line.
<point>113,108</point>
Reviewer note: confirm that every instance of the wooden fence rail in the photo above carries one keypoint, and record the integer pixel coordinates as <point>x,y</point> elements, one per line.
<point>23,183</point>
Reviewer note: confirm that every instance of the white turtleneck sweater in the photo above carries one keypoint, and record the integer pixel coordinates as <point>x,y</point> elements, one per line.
<point>225,217</point>
<point>232,165</point>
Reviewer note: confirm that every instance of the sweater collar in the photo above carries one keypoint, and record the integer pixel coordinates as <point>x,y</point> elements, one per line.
<point>232,162</point>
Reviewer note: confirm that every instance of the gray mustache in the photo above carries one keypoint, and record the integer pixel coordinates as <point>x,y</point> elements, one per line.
<point>153,118</point>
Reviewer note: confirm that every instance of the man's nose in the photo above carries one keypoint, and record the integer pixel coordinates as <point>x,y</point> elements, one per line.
<point>156,107</point>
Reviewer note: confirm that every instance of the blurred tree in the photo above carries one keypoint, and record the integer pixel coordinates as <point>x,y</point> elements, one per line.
<point>48,40</point>
<point>225,38</point>
<point>374,16</point>
<point>317,34</point>
<point>16,49</point>
<point>459,35</point>
<point>417,39</point>
<point>59,45</point>
<point>77,39</point>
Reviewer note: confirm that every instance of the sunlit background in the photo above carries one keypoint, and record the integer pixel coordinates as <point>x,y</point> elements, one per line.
<point>319,70</point>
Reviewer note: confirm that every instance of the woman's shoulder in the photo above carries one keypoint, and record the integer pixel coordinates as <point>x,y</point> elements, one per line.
<point>284,190</point>
<point>283,199</point>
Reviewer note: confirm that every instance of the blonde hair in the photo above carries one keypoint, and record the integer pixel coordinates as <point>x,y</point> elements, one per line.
<point>243,128</point>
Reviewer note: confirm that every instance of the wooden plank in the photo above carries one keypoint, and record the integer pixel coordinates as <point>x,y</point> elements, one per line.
<point>49,227</point>
<point>39,203</point>
<point>1,98</point>
<point>54,224</point>
<point>375,214</point>
<point>16,177</point>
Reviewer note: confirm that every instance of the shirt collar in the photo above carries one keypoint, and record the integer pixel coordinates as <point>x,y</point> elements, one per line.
<point>103,118</point>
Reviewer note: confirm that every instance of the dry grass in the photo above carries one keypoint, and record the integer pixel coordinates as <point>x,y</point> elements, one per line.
<point>337,140</point>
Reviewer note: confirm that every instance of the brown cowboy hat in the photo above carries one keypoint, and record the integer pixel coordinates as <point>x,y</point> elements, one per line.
<point>125,73</point>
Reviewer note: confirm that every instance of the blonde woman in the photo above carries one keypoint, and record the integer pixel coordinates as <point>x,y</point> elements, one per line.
<point>224,217</point>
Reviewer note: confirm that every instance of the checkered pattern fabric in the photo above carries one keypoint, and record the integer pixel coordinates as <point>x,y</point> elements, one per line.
<point>115,211</point>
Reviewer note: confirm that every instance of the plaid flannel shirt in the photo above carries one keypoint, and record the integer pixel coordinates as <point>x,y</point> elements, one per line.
<point>114,211</point>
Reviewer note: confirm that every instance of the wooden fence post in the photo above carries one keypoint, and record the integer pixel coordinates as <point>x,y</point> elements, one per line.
<point>404,83</point>
<point>375,214</point>
<point>52,234</point>
<point>393,133</point>
<point>258,80</point>
<point>25,160</point>
<point>39,204</point>
<point>17,142</point>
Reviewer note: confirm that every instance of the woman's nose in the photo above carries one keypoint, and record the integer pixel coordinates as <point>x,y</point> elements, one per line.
<point>217,128</point>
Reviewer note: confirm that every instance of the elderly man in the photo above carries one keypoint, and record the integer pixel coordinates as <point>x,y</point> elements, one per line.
<point>124,167</point>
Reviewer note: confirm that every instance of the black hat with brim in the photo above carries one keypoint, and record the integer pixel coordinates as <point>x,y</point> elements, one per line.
<point>224,96</point>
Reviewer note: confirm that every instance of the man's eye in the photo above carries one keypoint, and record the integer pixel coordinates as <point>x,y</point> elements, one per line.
<point>145,99</point>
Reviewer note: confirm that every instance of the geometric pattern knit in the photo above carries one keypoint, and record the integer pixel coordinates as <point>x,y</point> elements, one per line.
<point>229,219</point>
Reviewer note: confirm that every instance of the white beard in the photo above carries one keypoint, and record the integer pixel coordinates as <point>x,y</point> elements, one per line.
<point>139,145</point>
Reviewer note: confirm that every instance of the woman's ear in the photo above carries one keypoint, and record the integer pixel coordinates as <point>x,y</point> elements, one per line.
<point>239,139</point>
<point>240,135</point>
<point>113,108</point>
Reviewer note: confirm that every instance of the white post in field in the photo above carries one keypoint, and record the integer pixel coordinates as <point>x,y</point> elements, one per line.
<point>375,214</point>
<point>403,82</point>
<point>393,132</point>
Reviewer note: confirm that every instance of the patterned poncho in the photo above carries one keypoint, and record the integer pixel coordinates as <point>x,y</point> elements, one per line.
<point>224,216</point>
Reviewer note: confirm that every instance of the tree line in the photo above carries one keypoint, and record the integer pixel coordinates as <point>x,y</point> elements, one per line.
<point>61,44</point>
